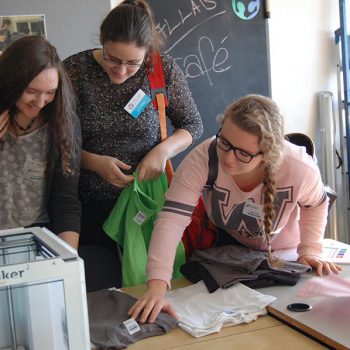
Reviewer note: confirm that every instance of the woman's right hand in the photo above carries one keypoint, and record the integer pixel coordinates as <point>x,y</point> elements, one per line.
<point>152,303</point>
<point>4,123</point>
<point>109,169</point>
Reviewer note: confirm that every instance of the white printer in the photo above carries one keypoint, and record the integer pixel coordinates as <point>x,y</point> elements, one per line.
<point>42,293</point>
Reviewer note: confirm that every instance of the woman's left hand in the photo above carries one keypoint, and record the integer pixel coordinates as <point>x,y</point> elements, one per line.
<point>152,165</point>
<point>319,264</point>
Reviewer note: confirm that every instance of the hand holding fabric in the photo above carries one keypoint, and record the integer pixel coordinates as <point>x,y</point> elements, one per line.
<point>319,264</point>
<point>152,303</point>
<point>110,169</point>
<point>153,164</point>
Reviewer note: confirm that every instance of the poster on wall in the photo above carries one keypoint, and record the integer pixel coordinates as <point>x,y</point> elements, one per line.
<point>13,28</point>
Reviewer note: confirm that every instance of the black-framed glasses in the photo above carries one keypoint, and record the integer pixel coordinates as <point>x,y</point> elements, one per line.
<point>240,154</point>
<point>118,62</point>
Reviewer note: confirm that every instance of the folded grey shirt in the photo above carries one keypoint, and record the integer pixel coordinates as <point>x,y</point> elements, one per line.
<point>108,309</point>
<point>231,264</point>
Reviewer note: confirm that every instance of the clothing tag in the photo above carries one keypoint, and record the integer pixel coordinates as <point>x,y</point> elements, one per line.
<point>132,326</point>
<point>137,104</point>
<point>253,210</point>
<point>140,217</point>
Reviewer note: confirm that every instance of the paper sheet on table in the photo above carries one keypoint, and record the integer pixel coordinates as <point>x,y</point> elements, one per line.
<point>333,251</point>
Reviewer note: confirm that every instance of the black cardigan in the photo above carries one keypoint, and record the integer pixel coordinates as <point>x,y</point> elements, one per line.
<point>64,207</point>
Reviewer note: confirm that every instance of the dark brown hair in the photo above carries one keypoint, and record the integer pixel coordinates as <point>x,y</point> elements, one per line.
<point>131,22</point>
<point>20,63</point>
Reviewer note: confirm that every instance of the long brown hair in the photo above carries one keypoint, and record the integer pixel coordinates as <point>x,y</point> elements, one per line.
<point>131,21</point>
<point>259,115</point>
<point>20,63</point>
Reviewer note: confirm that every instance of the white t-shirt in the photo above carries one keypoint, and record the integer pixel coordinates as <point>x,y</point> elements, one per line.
<point>201,313</point>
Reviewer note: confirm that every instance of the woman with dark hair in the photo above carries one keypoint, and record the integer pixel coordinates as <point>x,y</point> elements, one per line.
<point>114,143</point>
<point>40,141</point>
<point>268,195</point>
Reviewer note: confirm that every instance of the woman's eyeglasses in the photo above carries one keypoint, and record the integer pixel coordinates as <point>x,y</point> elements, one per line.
<point>118,62</point>
<point>241,155</point>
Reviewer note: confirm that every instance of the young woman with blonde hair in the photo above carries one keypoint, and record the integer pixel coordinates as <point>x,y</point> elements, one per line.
<point>268,195</point>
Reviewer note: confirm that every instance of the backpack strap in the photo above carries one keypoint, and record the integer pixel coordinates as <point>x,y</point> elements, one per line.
<point>160,102</point>
<point>156,80</point>
<point>213,165</point>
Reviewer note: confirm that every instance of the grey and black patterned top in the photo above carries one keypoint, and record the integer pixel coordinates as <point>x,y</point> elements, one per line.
<point>107,129</point>
<point>23,161</point>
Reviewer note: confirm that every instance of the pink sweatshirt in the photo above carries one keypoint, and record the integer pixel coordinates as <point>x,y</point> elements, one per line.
<point>301,206</point>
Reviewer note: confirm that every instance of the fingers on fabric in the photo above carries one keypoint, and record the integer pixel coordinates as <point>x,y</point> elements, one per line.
<point>141,310</point>
<point>122,180</point>
<point>135,310</point>
<point>148,173</point>
<point>112,172</point>
<point>148,310</point>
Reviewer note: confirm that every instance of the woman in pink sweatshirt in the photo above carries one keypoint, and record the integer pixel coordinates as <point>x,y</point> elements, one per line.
<point>268,195</point>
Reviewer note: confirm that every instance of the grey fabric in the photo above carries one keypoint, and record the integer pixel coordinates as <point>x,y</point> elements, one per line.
<point>108,309</point>
<point>23,162</point>
<point>33,188</point>
<point>231,264</point>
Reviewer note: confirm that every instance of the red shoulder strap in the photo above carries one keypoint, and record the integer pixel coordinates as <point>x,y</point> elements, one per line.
<point>156,80</point>
<point>160,101</point>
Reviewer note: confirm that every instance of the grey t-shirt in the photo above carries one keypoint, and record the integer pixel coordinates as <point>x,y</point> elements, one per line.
<point>108,310</point>
<point>23,163</point>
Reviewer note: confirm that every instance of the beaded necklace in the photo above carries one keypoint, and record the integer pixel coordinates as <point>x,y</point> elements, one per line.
<point>27,128</point>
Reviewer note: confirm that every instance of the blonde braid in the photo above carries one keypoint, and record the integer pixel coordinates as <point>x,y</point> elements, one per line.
<point>269,191</point>
<point>260,116</point>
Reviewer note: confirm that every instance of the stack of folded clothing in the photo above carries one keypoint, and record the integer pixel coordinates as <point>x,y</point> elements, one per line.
<point>227,265</point>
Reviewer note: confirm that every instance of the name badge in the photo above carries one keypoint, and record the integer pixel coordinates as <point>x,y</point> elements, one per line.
<point>253,210</point>
<point>137,104</point>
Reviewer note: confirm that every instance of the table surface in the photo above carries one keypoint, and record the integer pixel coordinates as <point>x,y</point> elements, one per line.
<point>329,318</point>
<point>264,333</point>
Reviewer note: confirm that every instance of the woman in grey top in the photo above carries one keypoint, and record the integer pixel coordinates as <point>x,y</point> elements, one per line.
<point>115,143</point>
<point>39,141</point>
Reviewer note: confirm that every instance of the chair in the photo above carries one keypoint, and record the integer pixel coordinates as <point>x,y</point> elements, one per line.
<point>301,139</point>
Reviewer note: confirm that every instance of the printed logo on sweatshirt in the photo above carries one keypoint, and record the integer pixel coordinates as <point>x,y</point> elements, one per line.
<point>235,218</point>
